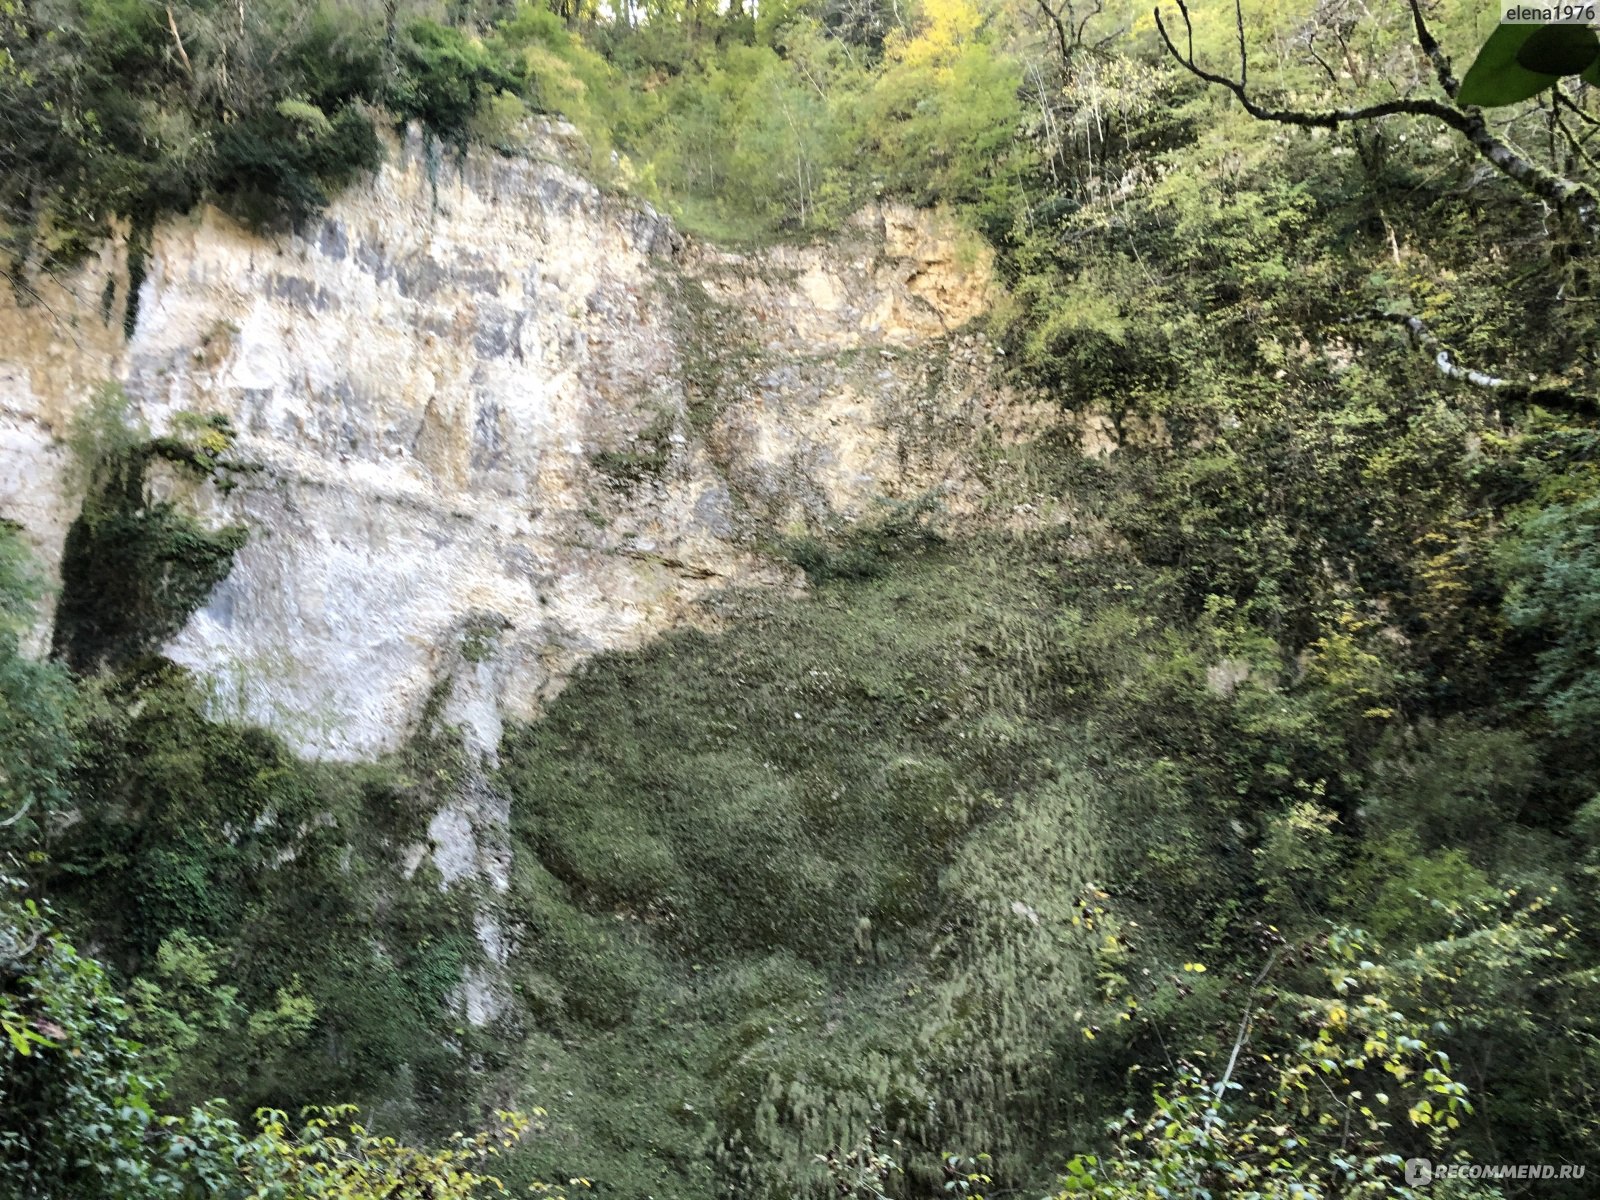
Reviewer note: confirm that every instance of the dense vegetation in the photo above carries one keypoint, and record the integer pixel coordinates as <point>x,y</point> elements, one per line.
<point>1256,799</point>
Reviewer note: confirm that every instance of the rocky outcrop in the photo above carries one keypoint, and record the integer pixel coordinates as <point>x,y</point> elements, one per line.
<point>498,421</point>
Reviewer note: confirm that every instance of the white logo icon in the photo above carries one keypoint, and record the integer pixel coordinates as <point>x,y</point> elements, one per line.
<point>1419,1172</point>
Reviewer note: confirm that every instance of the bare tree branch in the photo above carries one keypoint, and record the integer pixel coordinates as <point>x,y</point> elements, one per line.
<point>1430,47</point>
<point>1246,1020</point>
<point>1244,56</point>
<point>1572,106</point>
<point>1069,29</point>
<point>1311,49</point>
<point>1444,360</point>
<point>177,40</point>
<point>1566,194</point>
<point>1574,143</point>
<point>1077,34</point>
<point>1062,44</point>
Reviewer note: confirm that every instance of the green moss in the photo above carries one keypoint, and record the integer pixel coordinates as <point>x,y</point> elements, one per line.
<point>131,579</point>
<point>138,265</point>
<point>771,889</point>
<point>867,549</point>
<point>741,860</point>
<point>480,636</point>
<point>645,457</point>
<point>298,872</point>
<point>134,568</point>
<point>718,351</point>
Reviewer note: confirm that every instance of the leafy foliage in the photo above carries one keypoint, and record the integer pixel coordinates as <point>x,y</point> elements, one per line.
<point>134,567</point>
<point>328,1155</point>
<point>445,76</point>
<point>196,1034</point>
<point>739,922</point>
<point>1520,61</point>
<point>1553,568</point>
<point>80,1116</point>
<point>210,858</point>
<point>37,750</point>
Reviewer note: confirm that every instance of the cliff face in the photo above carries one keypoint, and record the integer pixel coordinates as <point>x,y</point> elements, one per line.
<point>497,422</point>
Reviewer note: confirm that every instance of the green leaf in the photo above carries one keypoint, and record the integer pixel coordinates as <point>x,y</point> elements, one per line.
<point>22,1038</point>
<point>1559,50</point>
<point>1496,78</point>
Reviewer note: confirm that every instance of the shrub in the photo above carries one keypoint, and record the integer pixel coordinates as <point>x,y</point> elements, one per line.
<point>1553,572</point>
<point>36,746</point>
<point>134,569</point>
<point>444,76</point>
<point>280,166</point>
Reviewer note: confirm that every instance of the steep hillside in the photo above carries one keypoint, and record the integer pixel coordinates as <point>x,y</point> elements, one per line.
<point>502,408</point>
<point>382,486</point>
<point>1037,633</point>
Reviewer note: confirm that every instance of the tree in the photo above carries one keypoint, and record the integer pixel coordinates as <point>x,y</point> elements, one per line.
<point>1332,1112</point>
<point>1466,120</point>
<point>77,1112</point>
<point>80,1112</point>
<point>35,743</point>
<point>329,1155</point>
<point>1553,569</point>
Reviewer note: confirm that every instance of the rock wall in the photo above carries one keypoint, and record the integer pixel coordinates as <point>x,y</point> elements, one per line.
<point>499,421</point>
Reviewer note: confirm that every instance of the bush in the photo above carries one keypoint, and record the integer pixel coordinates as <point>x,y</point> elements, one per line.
<point>1553,573</point>
<point>444,76</point>
<point>78,1107</point>
<point>134,569</point>
<point>36,745</point>
<point>280,166</point>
